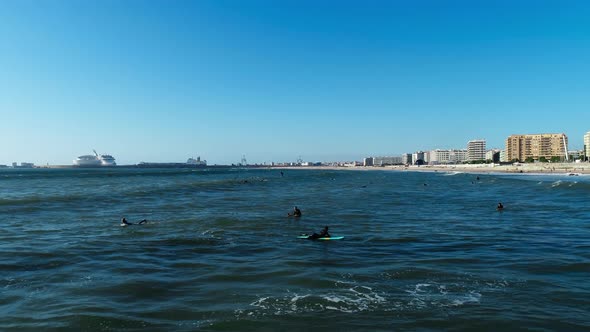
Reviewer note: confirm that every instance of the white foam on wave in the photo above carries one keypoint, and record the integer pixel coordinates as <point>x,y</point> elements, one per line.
<point>472,297</point>
<point>357,299</point>
<point>348,300</point>
<point>451,173</point>
<point>426,295</point>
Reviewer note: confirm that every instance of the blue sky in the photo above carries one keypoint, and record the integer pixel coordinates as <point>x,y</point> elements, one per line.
<point>275,80</point>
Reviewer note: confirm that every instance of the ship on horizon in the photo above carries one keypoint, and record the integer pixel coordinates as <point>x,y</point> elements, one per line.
<point>190,163</point>
<point>96,160</point>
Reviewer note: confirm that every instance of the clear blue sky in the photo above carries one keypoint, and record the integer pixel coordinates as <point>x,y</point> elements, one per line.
<point>275,80</point>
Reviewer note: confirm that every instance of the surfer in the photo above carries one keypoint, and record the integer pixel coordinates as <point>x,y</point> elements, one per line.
<point>323,233</point>
<point>124,222</point>
<point>296,213</point>
<point>500,207</point>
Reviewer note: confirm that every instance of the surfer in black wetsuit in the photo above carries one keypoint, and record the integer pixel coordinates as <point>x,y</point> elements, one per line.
<point>500,207</point>
<point>323,233</point>
<point>124,222</point>
<point>296,213</point>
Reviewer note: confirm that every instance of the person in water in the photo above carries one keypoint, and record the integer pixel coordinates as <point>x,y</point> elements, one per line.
<point>500,206</point>
<point>296,213</point>
<point>124,222</point>
<point>323,233</point>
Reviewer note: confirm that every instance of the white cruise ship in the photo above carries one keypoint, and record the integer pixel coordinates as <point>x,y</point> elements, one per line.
<point>95,160</point>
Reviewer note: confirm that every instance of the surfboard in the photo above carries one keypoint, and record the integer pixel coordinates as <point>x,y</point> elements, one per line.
<point>321,238</point>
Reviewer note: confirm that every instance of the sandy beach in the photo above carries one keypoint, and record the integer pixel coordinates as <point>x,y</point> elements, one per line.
<point>536,168</point>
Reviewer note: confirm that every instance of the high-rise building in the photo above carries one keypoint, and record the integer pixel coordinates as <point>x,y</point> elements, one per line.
<point>407,158</point>
<point>503,157</point>
<point>368,161</point>
<point>476,150</point>
<point>587,146</point>
<point>522,147</point>
<point>388,160</point>
<point>493,155</point>
<point>439,156</point>
<point>457,156</point>
<point>418,158</point>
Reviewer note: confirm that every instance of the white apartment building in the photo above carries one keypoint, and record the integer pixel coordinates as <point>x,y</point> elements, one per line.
<point>439,156</point>
<point>476,150</point>
<point>490,154</point>
<point>587,145</point>
<point>407,158</point>
<point>419,155</point>
<point>389,160</point>
<point>457,156</point>
<point>447,156</point>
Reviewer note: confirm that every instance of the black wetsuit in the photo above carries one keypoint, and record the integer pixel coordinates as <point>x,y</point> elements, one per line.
<point>125,222</point>
<point>323,233</point>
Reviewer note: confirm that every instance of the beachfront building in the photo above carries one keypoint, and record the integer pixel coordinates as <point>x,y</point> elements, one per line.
<point>576,154</point>
<point>504,157</point>
<point>493,155</point>
<point>476,150</point>
<point>537,146</point>
<point>389,160</point>
<point>438,156</point>
<point>457,156</point>
<point>368,161</point>
<point>407,158</point>
<point>418,158</point>
<point>587,146</point>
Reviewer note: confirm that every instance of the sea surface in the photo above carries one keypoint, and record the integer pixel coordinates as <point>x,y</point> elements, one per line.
<point>422,251</point>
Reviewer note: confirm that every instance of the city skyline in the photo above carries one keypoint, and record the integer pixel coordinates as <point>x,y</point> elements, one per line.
<point>326,81</point>
<point>475,150</point>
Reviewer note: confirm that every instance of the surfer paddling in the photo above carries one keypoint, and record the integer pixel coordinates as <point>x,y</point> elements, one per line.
<point>323,234</point>
<point>296,213</point>
<point>124,222</point>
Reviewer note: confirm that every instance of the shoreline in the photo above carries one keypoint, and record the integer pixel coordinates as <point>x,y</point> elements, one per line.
<point>548,168</point>
<point>537,168</point>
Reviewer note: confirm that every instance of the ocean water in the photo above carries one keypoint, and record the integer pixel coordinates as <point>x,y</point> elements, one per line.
<point>422,251</point>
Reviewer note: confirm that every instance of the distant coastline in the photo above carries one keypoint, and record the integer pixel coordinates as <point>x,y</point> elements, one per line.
<point>536,168</point>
